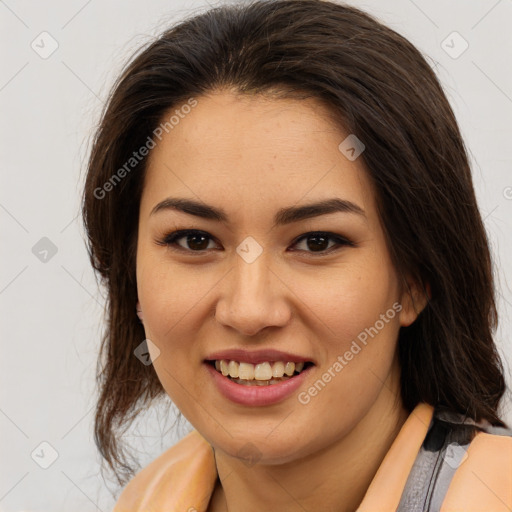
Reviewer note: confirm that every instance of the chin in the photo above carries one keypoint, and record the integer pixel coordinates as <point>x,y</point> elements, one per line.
<point>258,447</point>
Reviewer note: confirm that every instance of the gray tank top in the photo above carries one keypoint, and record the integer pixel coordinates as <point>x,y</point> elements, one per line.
<point>442,452</point>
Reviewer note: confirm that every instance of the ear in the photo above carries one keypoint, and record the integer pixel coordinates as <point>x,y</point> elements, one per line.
<point>414,299</point>
<point>139,311</point>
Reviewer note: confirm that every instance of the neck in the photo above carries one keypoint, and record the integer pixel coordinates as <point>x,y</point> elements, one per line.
<point>333,480</point>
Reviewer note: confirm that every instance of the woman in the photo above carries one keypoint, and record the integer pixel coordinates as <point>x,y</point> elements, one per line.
<point>280,192</point>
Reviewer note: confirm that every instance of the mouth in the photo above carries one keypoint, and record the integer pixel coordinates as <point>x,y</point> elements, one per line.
<point>265,373</point>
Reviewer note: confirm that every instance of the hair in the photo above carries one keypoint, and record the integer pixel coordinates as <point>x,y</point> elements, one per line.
<point>377,86</point>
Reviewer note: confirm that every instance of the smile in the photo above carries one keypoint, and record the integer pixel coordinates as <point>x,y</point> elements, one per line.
<point>261,374</point>
<point>260,384</point>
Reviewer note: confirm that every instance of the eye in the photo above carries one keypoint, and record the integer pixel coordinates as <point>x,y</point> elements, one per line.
<point>321,241</point>
<point>197,241</point>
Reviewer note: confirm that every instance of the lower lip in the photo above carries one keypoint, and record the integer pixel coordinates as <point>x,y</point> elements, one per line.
<point>257,395</point>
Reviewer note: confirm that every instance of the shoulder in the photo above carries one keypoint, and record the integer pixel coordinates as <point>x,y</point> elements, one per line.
<point>183,477</point>
<point>483,480</point>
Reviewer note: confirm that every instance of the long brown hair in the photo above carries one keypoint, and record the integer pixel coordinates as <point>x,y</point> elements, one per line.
<point>378,86</point>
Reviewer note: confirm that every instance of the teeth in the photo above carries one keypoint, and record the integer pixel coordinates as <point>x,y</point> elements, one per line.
<point>259,382</point>
<point>245,371</point>
<point>224,367</point>
<point>233,369</point>
<point>278,369</point>
<point>265,372</point>
<point>289,369</point>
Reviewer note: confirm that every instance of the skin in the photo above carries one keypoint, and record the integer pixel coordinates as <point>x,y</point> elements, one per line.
<point>251,156</point>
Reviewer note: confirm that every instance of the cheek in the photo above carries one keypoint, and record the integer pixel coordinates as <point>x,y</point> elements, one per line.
<point>169,294</point>
<point>357,323</point>
<point>358,333</point>
<point>170,306</point>
<point>351,299</point>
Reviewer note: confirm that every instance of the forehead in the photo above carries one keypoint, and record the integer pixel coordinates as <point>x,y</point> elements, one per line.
<point>254,153</point>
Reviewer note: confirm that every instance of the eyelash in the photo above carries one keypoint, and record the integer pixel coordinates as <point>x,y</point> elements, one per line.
<point>170,240</point>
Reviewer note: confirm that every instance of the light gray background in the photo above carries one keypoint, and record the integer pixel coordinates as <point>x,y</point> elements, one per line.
<point>52,311</point>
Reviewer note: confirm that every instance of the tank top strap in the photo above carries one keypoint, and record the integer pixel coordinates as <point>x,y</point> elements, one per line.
<point>443,450</point>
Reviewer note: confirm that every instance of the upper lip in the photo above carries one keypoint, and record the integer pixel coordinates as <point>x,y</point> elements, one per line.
<point>257,356</point>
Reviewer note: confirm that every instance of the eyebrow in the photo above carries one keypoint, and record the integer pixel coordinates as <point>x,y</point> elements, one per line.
<point>283,216</point>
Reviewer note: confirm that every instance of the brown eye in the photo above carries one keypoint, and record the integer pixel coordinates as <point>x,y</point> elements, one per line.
<point>195,241</point>
<point>318,242</point>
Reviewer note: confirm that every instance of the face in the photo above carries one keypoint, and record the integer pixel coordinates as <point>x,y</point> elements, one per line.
<point>320,288</point>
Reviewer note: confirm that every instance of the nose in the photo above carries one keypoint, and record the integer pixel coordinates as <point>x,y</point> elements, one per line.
<point>253,298</point>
